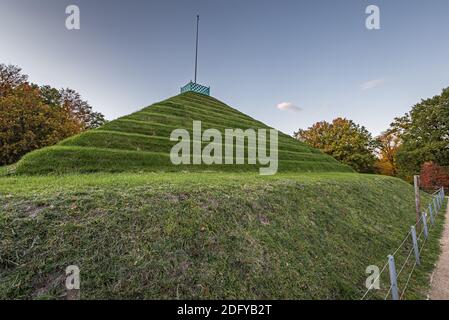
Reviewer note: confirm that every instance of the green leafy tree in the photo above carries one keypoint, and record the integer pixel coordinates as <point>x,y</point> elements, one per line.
<point>425,135</point>
<point>344,140</point>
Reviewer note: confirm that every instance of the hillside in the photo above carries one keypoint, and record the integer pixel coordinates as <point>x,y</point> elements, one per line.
<point>139,227</point>
<point>141,142</point>
<point>204,235</point>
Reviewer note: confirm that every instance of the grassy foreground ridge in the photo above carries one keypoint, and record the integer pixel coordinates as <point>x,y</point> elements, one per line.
<point>204,235</point>
<point>141,142</point>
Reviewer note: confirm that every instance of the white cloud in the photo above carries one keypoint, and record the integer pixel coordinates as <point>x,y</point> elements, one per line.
<point>288,106</point>
<point>372,84</point>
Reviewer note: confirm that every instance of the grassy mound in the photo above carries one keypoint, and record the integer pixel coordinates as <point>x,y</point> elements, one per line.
<point>204,235</point>
<point>140,142</point>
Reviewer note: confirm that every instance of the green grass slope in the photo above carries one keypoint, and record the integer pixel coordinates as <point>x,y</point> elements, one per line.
<point>140,142</point>
<point>205,235</point>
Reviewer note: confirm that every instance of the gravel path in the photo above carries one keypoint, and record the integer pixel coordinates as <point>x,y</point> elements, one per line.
<point>439,289</point>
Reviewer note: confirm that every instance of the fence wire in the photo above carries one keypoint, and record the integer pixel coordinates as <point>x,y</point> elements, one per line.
<point>403,255</point>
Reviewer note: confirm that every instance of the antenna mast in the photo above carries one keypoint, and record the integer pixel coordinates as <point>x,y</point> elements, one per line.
<point>194,86</point>
<point>196,50</point>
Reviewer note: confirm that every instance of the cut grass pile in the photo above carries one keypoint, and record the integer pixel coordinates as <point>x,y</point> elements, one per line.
<point>204,235</point>
<point>141,142</point>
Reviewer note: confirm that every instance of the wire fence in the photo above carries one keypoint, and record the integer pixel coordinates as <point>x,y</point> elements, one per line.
<point>407,257</point>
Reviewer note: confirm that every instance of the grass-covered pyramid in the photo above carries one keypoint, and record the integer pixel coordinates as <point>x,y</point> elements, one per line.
<point>141,142</point>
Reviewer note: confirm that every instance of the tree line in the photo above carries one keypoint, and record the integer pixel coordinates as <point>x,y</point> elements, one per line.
<point>416,142</point>
<point>33,116</point>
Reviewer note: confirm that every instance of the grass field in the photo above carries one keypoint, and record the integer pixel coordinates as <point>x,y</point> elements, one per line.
<point>204,235</point>
<point>141,142</point>
<point>110,201</point>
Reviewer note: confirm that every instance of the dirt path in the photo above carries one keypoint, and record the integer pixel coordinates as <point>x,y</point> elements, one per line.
<point>439,289</point>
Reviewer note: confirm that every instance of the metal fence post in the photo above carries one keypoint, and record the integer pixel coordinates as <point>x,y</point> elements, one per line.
<point>435,206</point>
<point>393,278</point>
<point>417,197</point>
<point>432,218</point>
<point>424,221</point>
<point>438,201</point>
<point>415,246</point>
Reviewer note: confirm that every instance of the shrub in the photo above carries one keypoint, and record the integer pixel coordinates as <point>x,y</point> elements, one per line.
<point>434,176</point>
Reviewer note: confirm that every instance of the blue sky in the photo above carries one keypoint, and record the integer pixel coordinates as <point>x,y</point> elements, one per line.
<point>315,54</point>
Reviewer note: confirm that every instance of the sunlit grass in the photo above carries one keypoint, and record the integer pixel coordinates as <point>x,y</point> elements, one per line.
<point>203,235</point>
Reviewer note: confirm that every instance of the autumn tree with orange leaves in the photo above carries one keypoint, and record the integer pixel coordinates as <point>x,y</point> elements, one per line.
<point>33,117</point>
<point>27,124</point>
<point>388,144</point>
